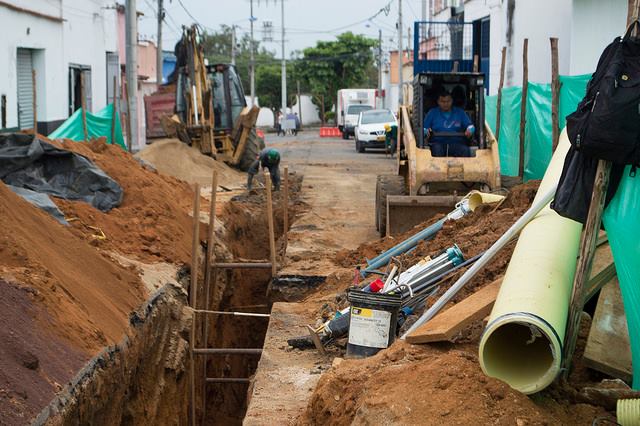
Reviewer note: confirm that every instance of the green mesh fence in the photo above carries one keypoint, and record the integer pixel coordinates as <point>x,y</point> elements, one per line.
<point>98,124</point>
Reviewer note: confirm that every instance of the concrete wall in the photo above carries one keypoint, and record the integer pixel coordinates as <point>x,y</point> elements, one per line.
<point>596,24</point>
<point>310,113</point>
<point>84,37</point>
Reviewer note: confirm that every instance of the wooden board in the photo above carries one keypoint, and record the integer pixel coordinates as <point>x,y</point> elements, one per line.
<point>448,324</point>
<point>608,349</point>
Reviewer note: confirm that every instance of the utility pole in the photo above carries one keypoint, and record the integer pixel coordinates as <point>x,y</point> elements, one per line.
<point>284,68</point>
<point>380,68</point>
<point>299,104</point>
<point>400,55</point>
<point>131,29</point>
<point>233,49</point>
<point>159,44</point>
<point>252,60</point>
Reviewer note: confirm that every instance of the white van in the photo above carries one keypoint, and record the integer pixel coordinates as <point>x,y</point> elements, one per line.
<point>350,103</point>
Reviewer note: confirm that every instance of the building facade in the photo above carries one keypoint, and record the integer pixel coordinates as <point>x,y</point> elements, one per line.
<point>70,44</point>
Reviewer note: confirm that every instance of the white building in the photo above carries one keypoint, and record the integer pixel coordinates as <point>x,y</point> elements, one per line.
<point>59,40</point>
<point>583,29</point>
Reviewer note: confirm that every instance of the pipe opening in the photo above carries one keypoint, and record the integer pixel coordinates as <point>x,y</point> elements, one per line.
<point>520,354</point>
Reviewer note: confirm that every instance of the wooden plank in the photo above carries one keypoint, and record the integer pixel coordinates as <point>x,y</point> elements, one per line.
<point>608,349</point>
<point>448,324</point>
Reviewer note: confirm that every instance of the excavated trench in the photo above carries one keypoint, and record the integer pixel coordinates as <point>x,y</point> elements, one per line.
<point>246,238</point>
<point>145,378</point>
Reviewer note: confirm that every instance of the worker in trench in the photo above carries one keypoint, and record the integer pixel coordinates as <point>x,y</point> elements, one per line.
<point>447,118</point>
<point>268,158</point>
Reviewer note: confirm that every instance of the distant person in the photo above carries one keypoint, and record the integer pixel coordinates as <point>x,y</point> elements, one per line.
<point>445,118</point>
<point>268,158</point>
<point>279,124</point>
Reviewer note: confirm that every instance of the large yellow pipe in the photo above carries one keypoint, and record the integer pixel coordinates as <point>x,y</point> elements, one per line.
<point>522,344</point>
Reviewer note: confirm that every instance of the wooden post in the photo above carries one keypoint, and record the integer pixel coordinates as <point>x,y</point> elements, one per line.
<point>523,105</point>
<point>555,94</point>
<point>475,63</point>
<point>193,296</point>
<point>499,106</point>
<point>285,206</point>
<point>209,272</point>
<point>35,103</point>
<point>272,238</point>
<point>585,261</point>
<point>83,102</point>
<point>115,110</point>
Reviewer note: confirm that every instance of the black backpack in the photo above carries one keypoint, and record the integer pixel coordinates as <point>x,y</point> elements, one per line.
<point>606,123</point>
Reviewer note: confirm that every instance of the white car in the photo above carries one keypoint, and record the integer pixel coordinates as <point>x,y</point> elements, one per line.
<point>370,131</point>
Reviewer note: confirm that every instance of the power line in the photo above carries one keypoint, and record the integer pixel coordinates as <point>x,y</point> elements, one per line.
<point>189,13</point>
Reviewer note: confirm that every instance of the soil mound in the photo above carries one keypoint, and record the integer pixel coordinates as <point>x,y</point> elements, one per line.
<point>431,385</point>
<point>87,295</point>
<point>153,222</point>
<point>174,158</point>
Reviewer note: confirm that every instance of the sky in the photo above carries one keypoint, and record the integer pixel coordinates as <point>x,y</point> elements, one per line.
<point>306,21</point>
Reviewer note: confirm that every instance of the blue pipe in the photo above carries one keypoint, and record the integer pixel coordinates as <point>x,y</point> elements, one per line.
<point>403,247</point>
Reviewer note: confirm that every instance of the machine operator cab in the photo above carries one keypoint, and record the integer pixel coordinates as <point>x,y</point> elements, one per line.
<point>466,92</point>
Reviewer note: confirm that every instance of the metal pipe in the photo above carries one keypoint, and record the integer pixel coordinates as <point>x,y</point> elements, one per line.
<point>403,247</point>
<point>227,380</point>
<point>239,265</point>
<point>227,351</point>
<point>486,257</point>
<point>237,314</point>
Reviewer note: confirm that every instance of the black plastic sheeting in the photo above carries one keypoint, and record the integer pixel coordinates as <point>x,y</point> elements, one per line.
<point>42,201</point>
<point>30,163</point>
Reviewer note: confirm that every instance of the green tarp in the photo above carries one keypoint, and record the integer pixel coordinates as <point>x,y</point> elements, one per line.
<point>622,223</point>
<point>537,144</point>
<point>622,216</point>
<point>98,124</point>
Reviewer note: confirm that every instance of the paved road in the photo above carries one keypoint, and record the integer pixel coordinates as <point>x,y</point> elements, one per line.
<point>339,186</point>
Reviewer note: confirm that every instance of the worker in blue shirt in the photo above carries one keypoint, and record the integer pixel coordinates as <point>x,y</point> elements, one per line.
<point>446,118</point>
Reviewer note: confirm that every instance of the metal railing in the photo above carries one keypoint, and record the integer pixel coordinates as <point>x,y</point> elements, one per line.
<point>438,46</point>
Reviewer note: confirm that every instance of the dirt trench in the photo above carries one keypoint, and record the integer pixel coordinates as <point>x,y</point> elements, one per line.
<point>246,238</point>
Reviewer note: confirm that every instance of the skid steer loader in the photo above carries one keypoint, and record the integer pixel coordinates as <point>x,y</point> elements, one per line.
<point>425,185</point>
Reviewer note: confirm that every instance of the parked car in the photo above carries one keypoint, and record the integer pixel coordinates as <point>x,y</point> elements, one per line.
<point>370,129</point>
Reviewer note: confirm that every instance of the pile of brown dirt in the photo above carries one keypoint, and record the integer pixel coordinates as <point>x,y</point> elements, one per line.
<point>434,384</point>
<point>87,295</point>
<point>174,158</point>
<point>153,222</point>
<point>62,301</point>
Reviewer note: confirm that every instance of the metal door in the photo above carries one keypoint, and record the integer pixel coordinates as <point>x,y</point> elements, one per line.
<point>25,88</point>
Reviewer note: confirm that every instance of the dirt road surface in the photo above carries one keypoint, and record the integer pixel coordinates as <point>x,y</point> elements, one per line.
<point>339,187</point>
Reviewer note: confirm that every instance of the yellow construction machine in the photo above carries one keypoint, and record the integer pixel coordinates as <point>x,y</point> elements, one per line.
<point>210,112</point>
<point>424,185</point>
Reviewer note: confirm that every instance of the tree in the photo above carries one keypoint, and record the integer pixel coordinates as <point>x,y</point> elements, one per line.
<point>217,49</point>
<point>347,62</point>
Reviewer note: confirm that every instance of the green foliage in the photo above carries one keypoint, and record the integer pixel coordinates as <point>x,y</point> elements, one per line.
<point>347,62</point>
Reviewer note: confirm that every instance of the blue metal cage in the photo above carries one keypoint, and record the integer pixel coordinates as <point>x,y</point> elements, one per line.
<point>439,45</point>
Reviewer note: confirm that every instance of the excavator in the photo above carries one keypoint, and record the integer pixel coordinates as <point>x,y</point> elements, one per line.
<point>204,106</point>
<point>424,185</point>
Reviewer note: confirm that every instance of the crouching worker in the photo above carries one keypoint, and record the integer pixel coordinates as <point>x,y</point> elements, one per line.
<point>268,158</point>
<point>446,118</point>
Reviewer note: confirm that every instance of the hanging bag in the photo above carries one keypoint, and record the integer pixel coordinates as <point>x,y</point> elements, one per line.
<point>606,123</point>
